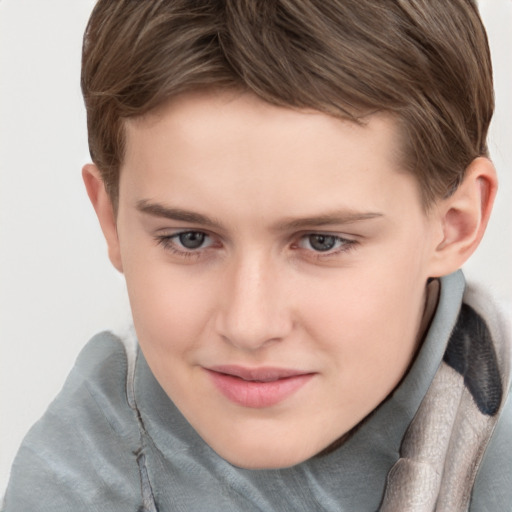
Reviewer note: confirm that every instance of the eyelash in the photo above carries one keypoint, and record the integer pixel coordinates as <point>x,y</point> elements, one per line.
<point>168,243</point>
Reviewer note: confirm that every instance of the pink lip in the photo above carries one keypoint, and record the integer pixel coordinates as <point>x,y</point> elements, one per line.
<point>257,387</point>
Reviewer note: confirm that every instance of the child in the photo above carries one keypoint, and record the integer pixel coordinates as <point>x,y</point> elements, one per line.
<point>289,189</point>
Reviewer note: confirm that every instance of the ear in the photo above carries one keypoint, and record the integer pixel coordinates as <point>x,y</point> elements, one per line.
<point>464,216</point>
<point>104,210</point>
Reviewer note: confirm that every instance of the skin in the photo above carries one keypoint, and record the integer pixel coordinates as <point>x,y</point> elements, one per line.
<point>257,292</point>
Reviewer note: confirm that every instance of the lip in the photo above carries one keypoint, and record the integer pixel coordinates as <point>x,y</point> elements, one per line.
<point>257,387</point>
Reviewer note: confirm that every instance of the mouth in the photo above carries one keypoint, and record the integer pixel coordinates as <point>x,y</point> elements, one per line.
<point>257,387</point>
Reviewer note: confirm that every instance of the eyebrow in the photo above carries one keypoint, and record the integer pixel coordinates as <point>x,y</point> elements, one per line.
<point>159,210</point>
<point>327,219</point>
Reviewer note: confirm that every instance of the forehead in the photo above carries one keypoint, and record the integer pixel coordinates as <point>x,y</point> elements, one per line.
<point>248,145</point>
<point>196,112</point>
<point>204,117</point>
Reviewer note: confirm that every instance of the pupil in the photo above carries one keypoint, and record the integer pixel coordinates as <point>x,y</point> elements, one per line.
<point>322,242</point>
<point>192,239</point>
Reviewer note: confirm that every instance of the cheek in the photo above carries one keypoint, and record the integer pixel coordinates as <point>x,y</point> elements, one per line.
<point>170,308</point>
<point>366,316</point>
<point>366,341</point>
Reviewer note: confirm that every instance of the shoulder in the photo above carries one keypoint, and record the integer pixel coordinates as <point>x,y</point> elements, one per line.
<point>493,486</point>
<point>80,453</point>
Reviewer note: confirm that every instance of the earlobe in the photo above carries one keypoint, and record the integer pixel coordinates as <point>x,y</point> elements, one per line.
<point>104,210</point>
<point>464,217</point>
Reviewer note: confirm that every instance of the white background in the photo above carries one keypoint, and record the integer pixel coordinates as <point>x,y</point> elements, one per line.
<point>57,288</point>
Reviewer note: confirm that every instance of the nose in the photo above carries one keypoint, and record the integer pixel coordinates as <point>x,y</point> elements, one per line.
<point>255,309</point>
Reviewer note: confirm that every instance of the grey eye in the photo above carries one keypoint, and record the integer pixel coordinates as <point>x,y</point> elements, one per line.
<point>322,243</point>
<point>192,239</point>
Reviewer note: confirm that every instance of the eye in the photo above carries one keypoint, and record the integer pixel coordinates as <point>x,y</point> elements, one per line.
<point>321,243</point>
<point>191,239</point>
<point>325,243</point>
<point>185,243</point>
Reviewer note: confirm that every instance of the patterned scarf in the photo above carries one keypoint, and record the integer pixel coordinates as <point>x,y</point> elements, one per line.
<point>445,442</point>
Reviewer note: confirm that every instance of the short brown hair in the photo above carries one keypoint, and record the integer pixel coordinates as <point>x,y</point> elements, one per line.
<point>425,61</point>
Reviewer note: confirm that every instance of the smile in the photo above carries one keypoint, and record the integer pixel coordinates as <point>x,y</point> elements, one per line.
<point>257,388</point>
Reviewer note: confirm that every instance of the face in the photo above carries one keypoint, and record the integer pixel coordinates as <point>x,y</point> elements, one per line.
<point>276,263</point>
